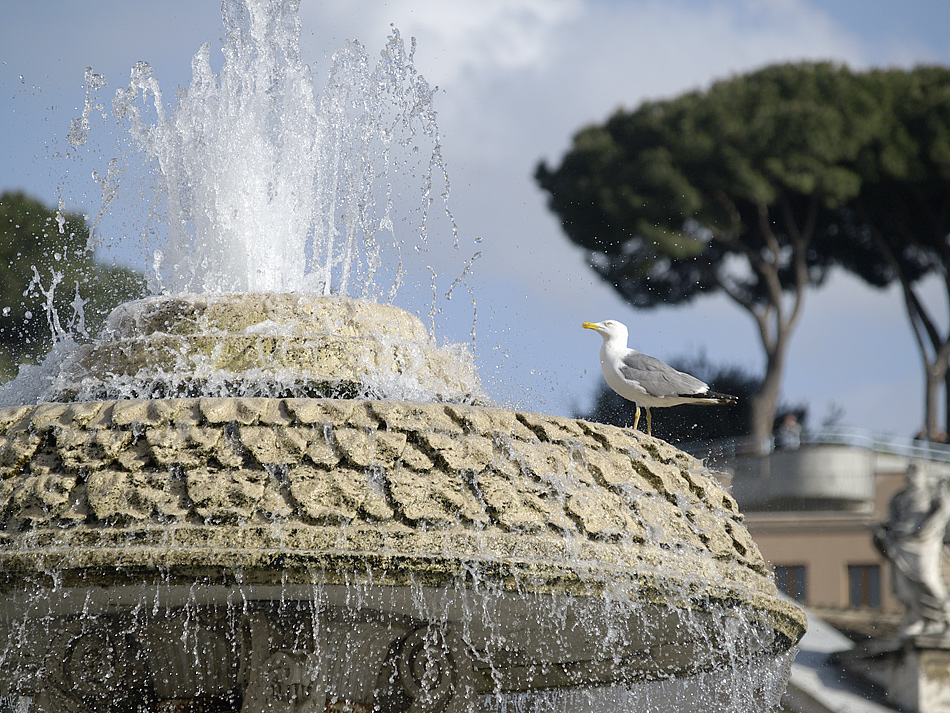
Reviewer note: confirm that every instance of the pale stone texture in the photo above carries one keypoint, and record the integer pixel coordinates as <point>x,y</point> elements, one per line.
<point>383,522</point>
<point>274,344</point>
<point>418,476</point>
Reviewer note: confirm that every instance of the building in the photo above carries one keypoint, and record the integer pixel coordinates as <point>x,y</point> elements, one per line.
<point>812,510</point>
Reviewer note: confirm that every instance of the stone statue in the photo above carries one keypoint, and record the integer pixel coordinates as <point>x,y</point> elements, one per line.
<point>912,540</point>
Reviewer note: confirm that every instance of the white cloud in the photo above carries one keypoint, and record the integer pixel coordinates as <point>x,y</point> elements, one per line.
<point>489,36</point>
<point>458,38</point>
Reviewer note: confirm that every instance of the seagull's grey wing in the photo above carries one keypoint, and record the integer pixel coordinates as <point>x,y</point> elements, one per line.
<point>659,378</point>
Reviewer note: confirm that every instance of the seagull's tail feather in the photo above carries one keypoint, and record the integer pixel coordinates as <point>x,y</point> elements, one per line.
<point>712,397</point>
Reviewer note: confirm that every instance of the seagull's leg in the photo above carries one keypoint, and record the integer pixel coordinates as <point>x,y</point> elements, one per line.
<point>649,422</point>
<point>636,416</point>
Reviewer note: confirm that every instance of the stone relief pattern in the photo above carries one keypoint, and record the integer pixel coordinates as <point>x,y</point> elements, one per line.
<point>335,461</point>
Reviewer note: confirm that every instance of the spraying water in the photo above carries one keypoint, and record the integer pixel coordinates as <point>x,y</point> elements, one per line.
<point>265,188</point>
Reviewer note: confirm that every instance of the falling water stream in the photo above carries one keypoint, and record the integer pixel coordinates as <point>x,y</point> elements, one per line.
<point>260,490</point>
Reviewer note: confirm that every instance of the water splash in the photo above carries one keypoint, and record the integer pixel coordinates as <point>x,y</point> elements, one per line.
<point>266,189</point>
<point>342,643</point>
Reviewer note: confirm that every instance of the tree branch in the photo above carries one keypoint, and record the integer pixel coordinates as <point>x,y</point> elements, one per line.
<point>761,316</point>
<point>800,239</point>
<point>770,270</point>
<point>918,318</point>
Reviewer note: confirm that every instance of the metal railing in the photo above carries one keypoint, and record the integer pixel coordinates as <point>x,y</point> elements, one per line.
<point>854,437</point>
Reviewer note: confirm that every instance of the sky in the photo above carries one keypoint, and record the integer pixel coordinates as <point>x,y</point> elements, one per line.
<point>516,80</point>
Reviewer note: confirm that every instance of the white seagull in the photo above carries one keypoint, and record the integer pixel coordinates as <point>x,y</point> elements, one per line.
<point>646,380</point>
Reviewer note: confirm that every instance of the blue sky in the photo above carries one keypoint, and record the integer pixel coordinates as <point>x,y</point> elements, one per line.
<point>516,79</point>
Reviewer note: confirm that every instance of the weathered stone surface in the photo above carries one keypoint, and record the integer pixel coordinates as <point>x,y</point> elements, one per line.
<point>198,314</point>
<point>396,416</point>
<point>460,453</point>
<point>390,445</point>
<point>438,502</point>
<point>614,470</point>
<point>16,449</point>
<point>549,496</point>
<point>535,474</point>
<point>358,447</point>
<point>143,411</point>
<point>337,495</point>
<point>416,458</point>
<point>275,446</point>
<point>43,494</point>
<point>322,447</point>
<point>491,423</point>
<point>552,428</point>
<point>225,497</point>
<point>300,345</point>
<point>116,495</point>
<point>601,514</point>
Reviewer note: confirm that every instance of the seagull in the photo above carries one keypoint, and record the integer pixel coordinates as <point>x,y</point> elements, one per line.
<point>646,380</point>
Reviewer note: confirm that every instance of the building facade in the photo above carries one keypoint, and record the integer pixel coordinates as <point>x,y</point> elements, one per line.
<point>812,511</point>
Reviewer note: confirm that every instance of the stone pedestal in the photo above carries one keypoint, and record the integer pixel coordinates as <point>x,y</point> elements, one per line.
<point>913,673</point>
<point>920,678</point>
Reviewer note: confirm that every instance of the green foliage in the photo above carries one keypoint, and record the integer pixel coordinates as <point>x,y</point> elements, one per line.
<point>45,260</point>
<point>753,168</point>
<point>904,203</point>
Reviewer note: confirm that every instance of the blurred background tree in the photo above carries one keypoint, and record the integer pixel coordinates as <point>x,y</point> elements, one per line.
<point>50,281</point>
<point>901,215</point>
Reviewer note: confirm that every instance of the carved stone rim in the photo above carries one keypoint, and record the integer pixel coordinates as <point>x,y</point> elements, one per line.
<point>411,491</point>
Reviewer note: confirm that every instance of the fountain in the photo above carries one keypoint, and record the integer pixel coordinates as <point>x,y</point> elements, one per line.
<point>270,496</point>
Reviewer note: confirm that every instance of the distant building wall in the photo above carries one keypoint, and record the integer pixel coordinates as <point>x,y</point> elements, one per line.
<point>811,511</point>
<point>829,548</point>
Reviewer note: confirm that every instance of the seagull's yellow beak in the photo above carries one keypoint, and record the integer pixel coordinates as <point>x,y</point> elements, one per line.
<point>589,325</point>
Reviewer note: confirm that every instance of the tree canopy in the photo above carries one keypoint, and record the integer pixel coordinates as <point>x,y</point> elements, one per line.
<point>752,188</point>
<point>45,261</point>
<point>902,212</point>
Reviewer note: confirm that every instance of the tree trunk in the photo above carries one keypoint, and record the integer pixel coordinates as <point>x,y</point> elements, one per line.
<point>925,332</point>
<point>946,401</point>
<point>931,395</point>
<point>765,402</point>
<point>938,375</point>
<point>774,318</point>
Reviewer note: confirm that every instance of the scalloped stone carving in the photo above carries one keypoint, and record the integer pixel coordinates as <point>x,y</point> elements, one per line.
<point>538,492</point>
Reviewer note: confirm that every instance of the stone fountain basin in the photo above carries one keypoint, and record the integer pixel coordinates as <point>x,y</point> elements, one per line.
<point>554,533</point>
<point>264,344</point>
